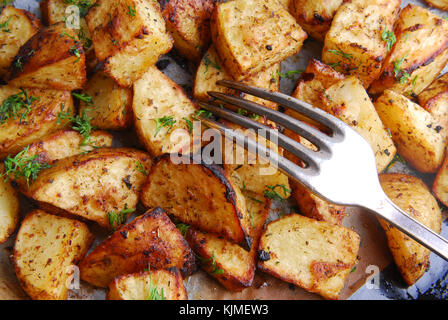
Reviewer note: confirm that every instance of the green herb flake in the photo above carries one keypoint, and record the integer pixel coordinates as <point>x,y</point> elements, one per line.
<point>289,74</point>
<point>183,228</point>
<point>83,5</point>
<point>131,11</point>
<point>141,168</point>
<point>271,192</point>
<point>341,54</point>
<point>202,113</point>
<point>4,26</point>
<point>80,123</point>
<point>154,293</point>
<point>116,219</point>
<point>189,124</point>
<point>397,158</point>
<point>404,78</point>
<point>389,38</point>
<point>397,66</point>
<point>208,62</point>
<point>167,121</point>
<point>16,106</point>
<point>212,263</point>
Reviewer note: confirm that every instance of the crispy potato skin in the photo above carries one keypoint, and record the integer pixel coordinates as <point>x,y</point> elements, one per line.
<point>414,130</point>
<point>39,65</point>
<point>422,42</point>
<point>440,186</point>
<point>413,196</point>
<point>137,286</point>
<point>200,195</point>
<point>112,104</point>
<point>441,4</point>
<point>22,25</point>
<point>315,16</point>
<point>92,185</point>
<point>189,24</point>
<point>271,39</point>
<point>314,255</point>
<point>40,122</point>
<point>151,239</point>
<point>46,249</point>
<point>356,31</point>
<point>9,209</point>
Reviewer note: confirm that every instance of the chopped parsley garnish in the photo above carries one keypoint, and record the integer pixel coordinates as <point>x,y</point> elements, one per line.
<point>154,293</point>
<point>252,216</point>
<point>4,26</point>
<point>289,74</point>
<point>183,228</point>
<point>254,199</point>
<point>80,123</point>
<point>141,168</point>
<point>83,97</point>
<point>271,192</point>
<point>208,62</point>
<point>404,78</point>
<point>16,106</point>
<point>396,159</point>
<point>341,53</point>
<point>83,5</point>
<point>86,42</point>
<point>389,38</point>
<point>414,81</point>
<point>397,66</point>
<point>212,263</point>
<point>204,113</point>
<point>189,124</point>
<point>167,121</point>
<point>131,11</point>
<point>116,219</point>
<point>353,269</point>
<point>242,112</point>
<point>334,65</point>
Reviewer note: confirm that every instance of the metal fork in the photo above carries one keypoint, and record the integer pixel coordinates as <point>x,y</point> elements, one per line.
<point>342,171</point>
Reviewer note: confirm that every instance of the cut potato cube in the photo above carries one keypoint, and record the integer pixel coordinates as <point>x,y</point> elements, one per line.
<point>314,255</point>
<point>111,107</point>
<point>46,250</point>
<point>161,107</point>
<point>149,240</point>
<point>252,35</point>
<point>440,186</point>
<point>419,54</point>
<point>413,196</point>
<point>355,42</point>
<point>51,59</point>
<point>138,286</point>
<point>18,26</point>
<point>9,208</point>
<point>349,101</point>
<point>417,134</point>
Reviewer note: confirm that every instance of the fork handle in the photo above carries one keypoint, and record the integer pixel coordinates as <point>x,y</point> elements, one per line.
<point>411,227</point>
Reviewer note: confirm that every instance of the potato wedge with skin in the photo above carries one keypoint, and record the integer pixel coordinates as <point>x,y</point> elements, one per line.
<point>129,35</point>
<point>200,195</point>
<point>18,26</point>
<point>440,186</point>
<point>9,208</point>
<point>417,134</point>
<point>315,16</point>
<point>253,35</point>
<point>348,101</point>
<point>137,286</point>
<point>314,255</point>
<point>52,59</point>
<point>413,196</point>
<point>42,120</point>
<point>419,54</point>
<point>441,4</point>
<point>151,239</point>
<point>161,107</point>
<point>92,185</point>
<point>111,107</point>
<point>354,42</point>
<point>46,250</point>
<point>189,23</point>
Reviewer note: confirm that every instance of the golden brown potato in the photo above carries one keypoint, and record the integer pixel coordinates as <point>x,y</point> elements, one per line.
<point>440,186</point>
<point>419,54</point>
<point>314,255</point>
<point>189,24</point>
<point>111,107</point>
<point>348,101</point>
<point>417,134</point>
<point>17,26</point>
<point>129,35</point>
<point>252,35</point>
<point>153,285</point>
<point>200,195</point>
<point>149,240</point>
<point>37,118</point>
<point>9,208</point>
<point>163,114</point>
<point>93,185</point>
<point>315,16</point>
<point>51,59</point>
<point>354,43</point>
<point>413,196</point>
<point>46,250</point>
<point>441,4</point>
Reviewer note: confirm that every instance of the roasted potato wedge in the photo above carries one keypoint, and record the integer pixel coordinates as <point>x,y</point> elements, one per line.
<point>189,24</point>
<point>161,107</point>
<point>17,27</point>
<point>354,43</point>
<point>9,208</point>
<point>441,4</point>
<point>94,184</point>
<point>315,16</point>
<point>31,125</point>
<point>440,186</point>
<point>46,250</point>
<point>314,255</point>
<point>349,101</point>
<point>274,35</point>
<point>129,35</point>
<point>200,195</point>
<point>149,240</point>
<point>417,134</point>
<point>413,196</point>
<point>52,59</point>
<point>419,54</point>
<point>111,106</point>
<point>138,286</point>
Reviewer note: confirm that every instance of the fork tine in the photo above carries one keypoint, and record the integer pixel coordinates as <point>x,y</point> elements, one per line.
<point>310,157</point>
<point>316,137</point>
<point>288,102</point>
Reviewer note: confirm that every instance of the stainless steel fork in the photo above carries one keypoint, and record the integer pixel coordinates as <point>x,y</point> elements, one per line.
<point>342,171</point>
